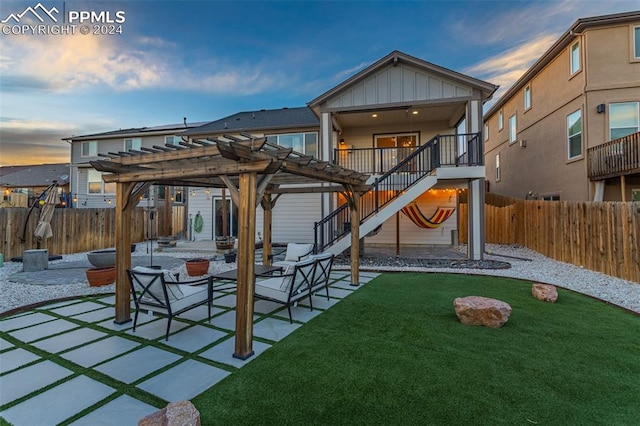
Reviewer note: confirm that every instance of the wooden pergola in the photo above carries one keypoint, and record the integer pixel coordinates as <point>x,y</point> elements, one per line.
<point>255,172</point>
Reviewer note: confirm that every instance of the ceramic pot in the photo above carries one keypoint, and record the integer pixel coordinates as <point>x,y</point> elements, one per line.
<point>197,267</point>
<point>101,276</point>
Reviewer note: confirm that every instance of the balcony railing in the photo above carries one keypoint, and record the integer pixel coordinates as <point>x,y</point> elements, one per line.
<point>451,150</point>
<point>615,158</point>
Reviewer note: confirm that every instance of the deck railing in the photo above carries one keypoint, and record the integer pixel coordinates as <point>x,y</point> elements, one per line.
<point>441,151</point>
<point>615,158</point>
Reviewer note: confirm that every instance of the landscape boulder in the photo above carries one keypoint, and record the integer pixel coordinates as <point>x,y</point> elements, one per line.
<point>477,310</point>
<point>182,413</point>
<point>544,292</point>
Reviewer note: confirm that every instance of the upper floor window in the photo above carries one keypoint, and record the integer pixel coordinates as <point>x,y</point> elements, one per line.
<point>624,119</point>
<point>95,184</point>
<point>90,149</point>
<point>304,143</point>
<point>500,120</point>
<point>172,140</point>
<point>575,57</point>
<point>497,167</point>
<point>513,131</point>
<point>636,42</point>
<point>553,197</point>
<point>527,97</point>
<point>486,132</point>
<point>574,134</point>
<point>132,143</point>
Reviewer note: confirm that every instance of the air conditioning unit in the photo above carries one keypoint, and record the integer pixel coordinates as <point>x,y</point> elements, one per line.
<point>522,143</point>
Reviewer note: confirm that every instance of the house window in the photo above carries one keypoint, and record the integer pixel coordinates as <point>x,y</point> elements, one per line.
<point>635,194</point>
<point>304,143</point>
<point>90,149</point>
<point>172,140</point>
<point>636,42</point>
<point>95,184</point>
<point>527,97</point>
<point>575,57</point>
<point>513,131</point>
<point>500,120</point>
<point>550,198</point>
<point>623,119</point>
<point>574,134</point>
<point>486,132</point>
<point>497,167</point>
<point>132,143</point>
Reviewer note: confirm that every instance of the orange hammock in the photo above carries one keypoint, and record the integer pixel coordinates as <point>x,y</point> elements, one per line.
<point>413,212</point>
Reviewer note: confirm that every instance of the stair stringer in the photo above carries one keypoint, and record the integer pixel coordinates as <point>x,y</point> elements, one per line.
<point>413,192</point>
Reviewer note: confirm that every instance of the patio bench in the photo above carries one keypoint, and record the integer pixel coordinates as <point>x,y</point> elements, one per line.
<point>153,290</point>
<point>324,263</point>
<point>295,253</point>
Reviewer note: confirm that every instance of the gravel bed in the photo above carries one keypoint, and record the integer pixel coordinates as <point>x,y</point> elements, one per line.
<point>501,260</point>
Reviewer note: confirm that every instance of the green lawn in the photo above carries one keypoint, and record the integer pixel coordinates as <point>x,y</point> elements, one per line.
<point>394,353</point>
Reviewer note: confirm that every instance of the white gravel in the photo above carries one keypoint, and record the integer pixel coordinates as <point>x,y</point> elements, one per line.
<point>539,269</point>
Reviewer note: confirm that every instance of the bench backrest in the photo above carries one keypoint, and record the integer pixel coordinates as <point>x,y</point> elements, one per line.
<point>324,263</point>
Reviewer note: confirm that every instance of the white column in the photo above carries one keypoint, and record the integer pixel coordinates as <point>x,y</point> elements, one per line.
<point>326,153</point>
<point>475,244</point>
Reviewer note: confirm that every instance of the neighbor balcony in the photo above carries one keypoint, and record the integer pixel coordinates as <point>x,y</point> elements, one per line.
<point>618,157</point>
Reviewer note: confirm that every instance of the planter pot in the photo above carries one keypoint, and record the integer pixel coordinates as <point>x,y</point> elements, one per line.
<point>101,258</point>
<point>197,267</point>
<point>230,257</point>
<point>101,276</point>
<point>225,243</point>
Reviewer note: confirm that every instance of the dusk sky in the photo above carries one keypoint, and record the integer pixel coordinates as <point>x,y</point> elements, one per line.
<point>207,59</point>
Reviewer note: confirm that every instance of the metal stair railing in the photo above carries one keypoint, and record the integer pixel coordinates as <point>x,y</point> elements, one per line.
<point>418,164</point>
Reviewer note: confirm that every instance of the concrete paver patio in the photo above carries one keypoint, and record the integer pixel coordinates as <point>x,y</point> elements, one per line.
<point>68,363</point>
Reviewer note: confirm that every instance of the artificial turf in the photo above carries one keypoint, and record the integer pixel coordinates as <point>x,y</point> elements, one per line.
<point>394,353</point>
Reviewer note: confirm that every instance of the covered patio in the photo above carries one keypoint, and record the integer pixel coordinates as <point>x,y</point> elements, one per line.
<point>254,172</point>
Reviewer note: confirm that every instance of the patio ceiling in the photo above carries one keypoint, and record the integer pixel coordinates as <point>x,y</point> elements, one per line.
<point>215,162</point>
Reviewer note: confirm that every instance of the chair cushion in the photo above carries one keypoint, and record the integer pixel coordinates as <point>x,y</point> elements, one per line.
<point>295,251</point>
<point>287,277</point>
<point>191,295</point>
<point>270,289</point>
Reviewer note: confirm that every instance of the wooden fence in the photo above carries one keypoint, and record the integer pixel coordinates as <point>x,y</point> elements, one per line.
<point>78,230</point>
<point>603,237</point>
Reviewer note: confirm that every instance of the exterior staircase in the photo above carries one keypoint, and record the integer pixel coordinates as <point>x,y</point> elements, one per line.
<point>396,188</point>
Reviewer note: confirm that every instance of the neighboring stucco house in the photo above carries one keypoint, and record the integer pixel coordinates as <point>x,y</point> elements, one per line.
<point>412,125</point>
<point>568,128</point>
<point>22,185</point>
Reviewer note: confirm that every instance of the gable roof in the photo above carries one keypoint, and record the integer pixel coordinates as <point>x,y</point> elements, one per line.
<point>397,57</point>
<point>264,119</point>
<point>37,175</point>
<point>556,48</point>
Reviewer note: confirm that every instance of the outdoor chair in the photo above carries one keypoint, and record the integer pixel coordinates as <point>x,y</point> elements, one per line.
<point>290,287</point>
<point>324,263</point>
<point>154,291</point>
<point>295,253</point>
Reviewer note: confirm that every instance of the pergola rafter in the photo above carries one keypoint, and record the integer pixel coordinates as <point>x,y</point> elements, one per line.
<point>252,169</point>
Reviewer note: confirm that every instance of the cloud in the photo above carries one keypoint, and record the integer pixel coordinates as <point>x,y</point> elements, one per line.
<point>505,68</point>
<point>66,64</point>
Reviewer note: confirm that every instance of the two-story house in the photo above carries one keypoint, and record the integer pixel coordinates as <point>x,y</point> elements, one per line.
<point>412,125</point>
<point>568,128</point>
<point>89,190</point>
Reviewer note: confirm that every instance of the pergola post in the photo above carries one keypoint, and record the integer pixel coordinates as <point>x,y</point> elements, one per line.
<point>123,252</point>
<point>267,207</point>
<point>355,237</point>
<point>246,260</point>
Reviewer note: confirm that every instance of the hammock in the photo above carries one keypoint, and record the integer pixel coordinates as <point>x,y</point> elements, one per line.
<point>413,212</point>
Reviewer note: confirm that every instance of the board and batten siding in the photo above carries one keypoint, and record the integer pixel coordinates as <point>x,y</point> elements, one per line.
<point>412,234</point>
<point>399,84</point>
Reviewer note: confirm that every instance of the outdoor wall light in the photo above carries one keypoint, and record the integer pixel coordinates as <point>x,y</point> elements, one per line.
<point>342,142</point>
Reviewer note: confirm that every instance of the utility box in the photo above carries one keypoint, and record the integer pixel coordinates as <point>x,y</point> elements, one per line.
<point>35,260</point>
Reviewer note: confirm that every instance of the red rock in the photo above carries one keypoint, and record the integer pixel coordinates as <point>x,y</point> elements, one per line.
<point>544,292</point>
<point>477,310</point>
<point>181,413</point>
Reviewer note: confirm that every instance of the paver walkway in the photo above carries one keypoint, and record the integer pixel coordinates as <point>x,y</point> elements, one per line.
<point>68,363</point>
